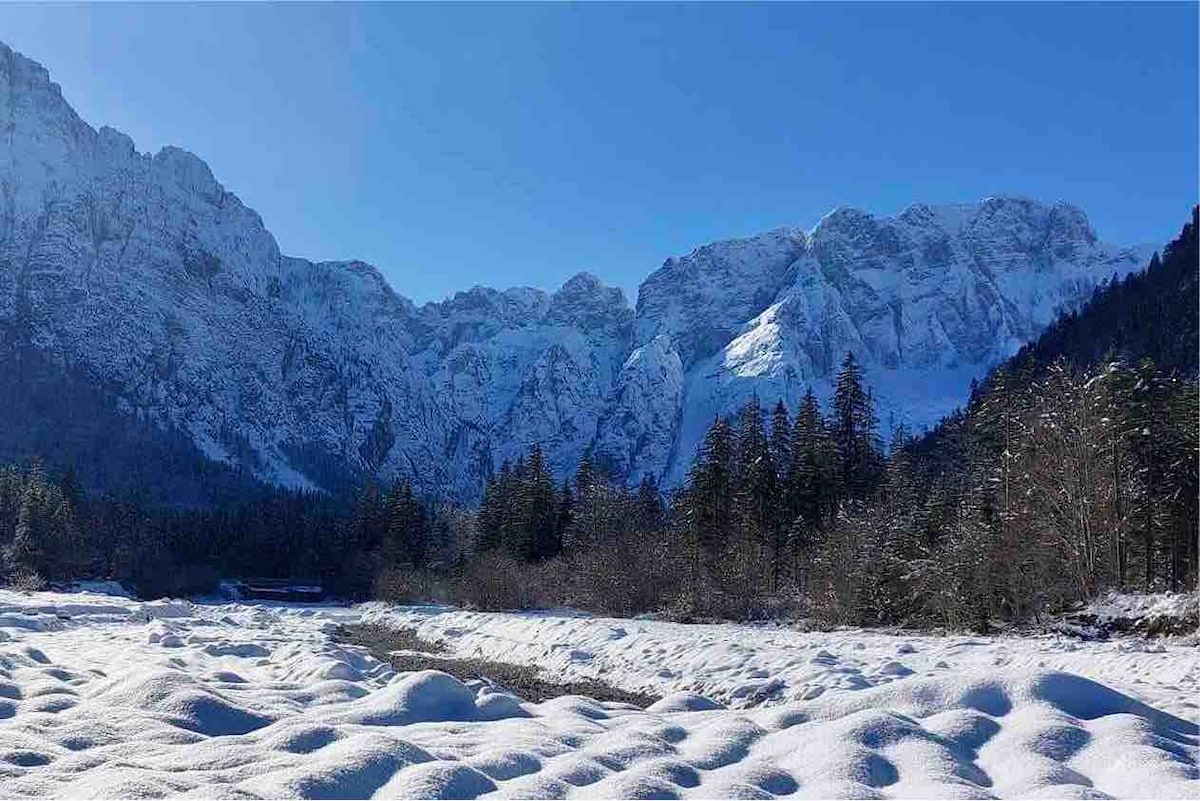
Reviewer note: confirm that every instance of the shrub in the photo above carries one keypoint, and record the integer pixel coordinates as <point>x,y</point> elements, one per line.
<point>404,585</point>
<point>26,581</point>
<point>496,581</point>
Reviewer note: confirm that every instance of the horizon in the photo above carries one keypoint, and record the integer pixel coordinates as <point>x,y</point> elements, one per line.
<point>501,215</point>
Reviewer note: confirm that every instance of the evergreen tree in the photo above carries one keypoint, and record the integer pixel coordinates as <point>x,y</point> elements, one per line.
<point>406,536</point>
<point>756,496</point>
<point>491,510</point>
<point>565,518</point>
<point>781,441</point>
<point>855,430</point>
<point>711,492</point>
<point>597,511</point>
<point>810,492</point>
<point>649,511</point>
<point>539,511</point>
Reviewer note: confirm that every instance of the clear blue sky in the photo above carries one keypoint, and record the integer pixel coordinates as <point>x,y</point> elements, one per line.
<point>459,144</point>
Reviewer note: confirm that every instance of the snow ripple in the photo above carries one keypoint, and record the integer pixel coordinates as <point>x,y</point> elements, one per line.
<point>244,701</point>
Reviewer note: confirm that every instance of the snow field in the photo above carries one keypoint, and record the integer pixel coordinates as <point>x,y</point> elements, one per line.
<point>744,666</point>
<point>108,697</point>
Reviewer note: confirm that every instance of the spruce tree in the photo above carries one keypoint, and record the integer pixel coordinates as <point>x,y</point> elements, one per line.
<point>855,430</point>
<point>756,496</point>
<point>492,510</point>
<point>649,512</point>
<point>711,487</point>
<point>539,511</point>
<point>810,481</point>
<point>565,516</point>
<point>781,441</point>
<point>406,541</point>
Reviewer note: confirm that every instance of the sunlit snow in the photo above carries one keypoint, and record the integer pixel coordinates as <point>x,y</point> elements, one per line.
<point>106,696</point>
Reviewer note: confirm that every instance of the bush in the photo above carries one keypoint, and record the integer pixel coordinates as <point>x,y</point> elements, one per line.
<point>495,581</point>
<point>633,576</point>
<point>26,581</point>
<point>403,585</point>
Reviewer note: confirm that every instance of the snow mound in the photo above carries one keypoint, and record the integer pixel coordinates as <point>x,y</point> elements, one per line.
<point>29,621</point>
<point>353,768</point>
<point>183,700</point>
<point>161,610</point>
<point>104,587</point>
<point>439,780</point>
<point>428,695</point>
<point>683,702</point>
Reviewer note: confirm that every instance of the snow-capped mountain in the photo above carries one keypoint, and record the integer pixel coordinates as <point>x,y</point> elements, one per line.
<point>146,274</point>
<point>927,300</point>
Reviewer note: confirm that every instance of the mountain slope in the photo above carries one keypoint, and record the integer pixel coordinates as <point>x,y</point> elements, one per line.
<point>927,300</point>
<point>143,275</point>
<point>1152,315</point>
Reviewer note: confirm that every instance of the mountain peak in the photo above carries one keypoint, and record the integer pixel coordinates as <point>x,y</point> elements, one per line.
<point>34,112</point>
<point>844,216</point>
<point>23,73</point>
<point>584,287</point>
<point>582,282</point>
<point>586,302</point>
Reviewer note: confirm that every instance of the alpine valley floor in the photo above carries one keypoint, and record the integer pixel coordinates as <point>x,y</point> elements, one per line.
<point>102,696</point>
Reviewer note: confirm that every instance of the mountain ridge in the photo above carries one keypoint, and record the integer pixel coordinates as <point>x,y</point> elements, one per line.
<point>145,272</point>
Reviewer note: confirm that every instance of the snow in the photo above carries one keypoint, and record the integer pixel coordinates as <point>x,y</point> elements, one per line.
<point>214,700</point>
<point>927,300</point>
<point>769,665</point>
<point>1136,606</point>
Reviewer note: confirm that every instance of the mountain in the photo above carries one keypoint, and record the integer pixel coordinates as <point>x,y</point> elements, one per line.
<point>143,276</point>
<point>1154,314</point>
<point>927,300</point>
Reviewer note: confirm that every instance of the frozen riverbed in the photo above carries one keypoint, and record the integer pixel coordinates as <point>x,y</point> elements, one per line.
<point>743,666</point>
<point>104,696</point>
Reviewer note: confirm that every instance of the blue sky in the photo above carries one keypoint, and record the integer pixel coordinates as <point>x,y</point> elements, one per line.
<point>452,145</point>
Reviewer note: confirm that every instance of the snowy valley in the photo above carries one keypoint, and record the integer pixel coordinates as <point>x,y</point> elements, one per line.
<point>104,696</point>
<point>884,506</point>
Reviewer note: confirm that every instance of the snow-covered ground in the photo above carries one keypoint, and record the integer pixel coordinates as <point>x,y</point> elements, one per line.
<point>1135,607</point>
<point>106,696</point>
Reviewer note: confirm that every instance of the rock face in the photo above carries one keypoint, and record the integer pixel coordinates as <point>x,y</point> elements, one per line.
<point>146,274</point>
<point>927,300</point>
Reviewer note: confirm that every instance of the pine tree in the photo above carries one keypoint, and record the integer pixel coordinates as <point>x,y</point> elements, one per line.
<point>756,495</point>
<point>539,511</point>
<point>781,441</point>
<point>649,513</point>
<point>565,517</point>
<point>1183,484</point>
<point>26,552</point>
<point>406,537</point>
<point>514,523</point>
<point>810,491</point>
<point>492,510</point>
<point>711,487</point>
<point>596,520</point>
<point>855,430</point>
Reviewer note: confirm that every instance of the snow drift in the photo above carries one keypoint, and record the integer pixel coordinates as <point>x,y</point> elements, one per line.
<point>257,701</point>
